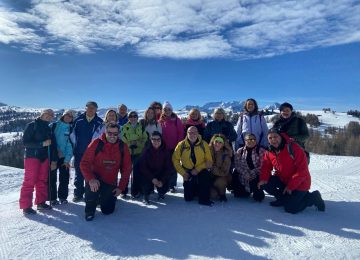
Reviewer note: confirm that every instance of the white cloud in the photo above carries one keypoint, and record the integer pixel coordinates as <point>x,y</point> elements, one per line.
<point>12,32</point>
<point>206,47</point>
<point>186,29</point>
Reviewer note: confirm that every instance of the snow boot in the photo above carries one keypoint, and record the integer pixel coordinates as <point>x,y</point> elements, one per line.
<point>146,200</point>
<point>318,201</point>
<point>43,206</point>
<point>161,196</point>
<point>77,199</point>
<point>258,195</point>
<point>29,211</point>
<point>54,202</point>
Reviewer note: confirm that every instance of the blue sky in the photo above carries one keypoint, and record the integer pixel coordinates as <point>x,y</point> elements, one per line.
<point>62,53</point>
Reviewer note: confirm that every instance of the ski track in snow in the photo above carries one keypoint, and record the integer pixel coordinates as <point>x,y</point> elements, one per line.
<point>174,229</point>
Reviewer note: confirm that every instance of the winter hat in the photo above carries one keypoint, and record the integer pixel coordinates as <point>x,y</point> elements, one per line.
<point>91,103</point>
<point>284,105</point>
<point>167,105</point>
<point>47,111</point>
<point>69,112</point>
<point>274,130</point>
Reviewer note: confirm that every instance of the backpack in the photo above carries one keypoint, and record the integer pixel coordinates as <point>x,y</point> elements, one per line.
<point>292,154</point>
<point>100,146</point>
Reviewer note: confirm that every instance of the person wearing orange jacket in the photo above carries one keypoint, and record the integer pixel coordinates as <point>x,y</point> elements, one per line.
<point>290,183</point>
<point>100,165</point>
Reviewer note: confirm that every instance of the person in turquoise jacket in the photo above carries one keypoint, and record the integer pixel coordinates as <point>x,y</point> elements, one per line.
<point>61,130</point>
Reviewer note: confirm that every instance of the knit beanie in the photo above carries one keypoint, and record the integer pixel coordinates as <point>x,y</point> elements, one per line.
<point>167,105</point>
<point>46,111</point>
<point>274,130</point>
<point>69,112</point>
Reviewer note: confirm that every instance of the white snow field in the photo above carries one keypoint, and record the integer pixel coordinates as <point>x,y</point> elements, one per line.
<point>174,229</point>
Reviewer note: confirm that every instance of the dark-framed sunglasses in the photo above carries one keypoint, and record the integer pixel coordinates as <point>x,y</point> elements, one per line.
<point>112,133</point>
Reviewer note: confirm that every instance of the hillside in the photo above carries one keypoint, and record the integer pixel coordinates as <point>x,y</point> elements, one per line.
<point>238,229</point>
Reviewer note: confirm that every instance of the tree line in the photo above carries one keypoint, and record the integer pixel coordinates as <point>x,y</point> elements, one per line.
<point>336,141</point>
<point>354,113</point>
<point>12,154</point>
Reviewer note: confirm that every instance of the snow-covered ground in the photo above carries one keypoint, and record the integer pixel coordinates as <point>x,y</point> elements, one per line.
<point>174,229</point>
<point>330,119</point>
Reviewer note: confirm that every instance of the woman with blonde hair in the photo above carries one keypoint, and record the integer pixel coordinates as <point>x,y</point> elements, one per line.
<point>194,119</point>
<point>110,116</point>
<point>220,126</point>
<point>221,152</point>
<point>149,122</point>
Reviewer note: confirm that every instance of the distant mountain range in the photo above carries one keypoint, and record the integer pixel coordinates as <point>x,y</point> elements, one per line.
<point>234,106</point>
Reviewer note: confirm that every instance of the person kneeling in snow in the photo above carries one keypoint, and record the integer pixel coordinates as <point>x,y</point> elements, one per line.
<point>291,181</point>
<point>102,160</point>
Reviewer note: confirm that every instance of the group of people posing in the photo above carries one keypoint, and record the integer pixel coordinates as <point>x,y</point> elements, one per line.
<point>247,159</point>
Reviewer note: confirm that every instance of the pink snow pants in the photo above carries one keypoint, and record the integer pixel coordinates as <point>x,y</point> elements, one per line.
<point>36,176</point>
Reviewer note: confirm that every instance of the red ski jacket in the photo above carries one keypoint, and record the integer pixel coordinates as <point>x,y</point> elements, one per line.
<point>106,164</point>
<point>290,165</point>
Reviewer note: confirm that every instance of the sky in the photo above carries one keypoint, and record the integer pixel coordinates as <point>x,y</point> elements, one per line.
<point>61,54</point>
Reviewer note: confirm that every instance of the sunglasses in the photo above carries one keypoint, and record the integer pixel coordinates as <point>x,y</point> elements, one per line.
<point>156,139</point>
<point>133,116</point>
<point>112,134</point>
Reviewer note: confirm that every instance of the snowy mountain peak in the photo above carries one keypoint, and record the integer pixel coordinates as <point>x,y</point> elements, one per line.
<point>274,106</point>
<point>235,106</point>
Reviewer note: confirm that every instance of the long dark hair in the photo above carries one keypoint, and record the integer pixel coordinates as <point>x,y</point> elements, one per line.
<point>256,109</point>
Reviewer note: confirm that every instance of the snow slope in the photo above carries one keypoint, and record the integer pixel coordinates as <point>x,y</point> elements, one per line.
<point>330,119</point>
<point>238,229</point>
